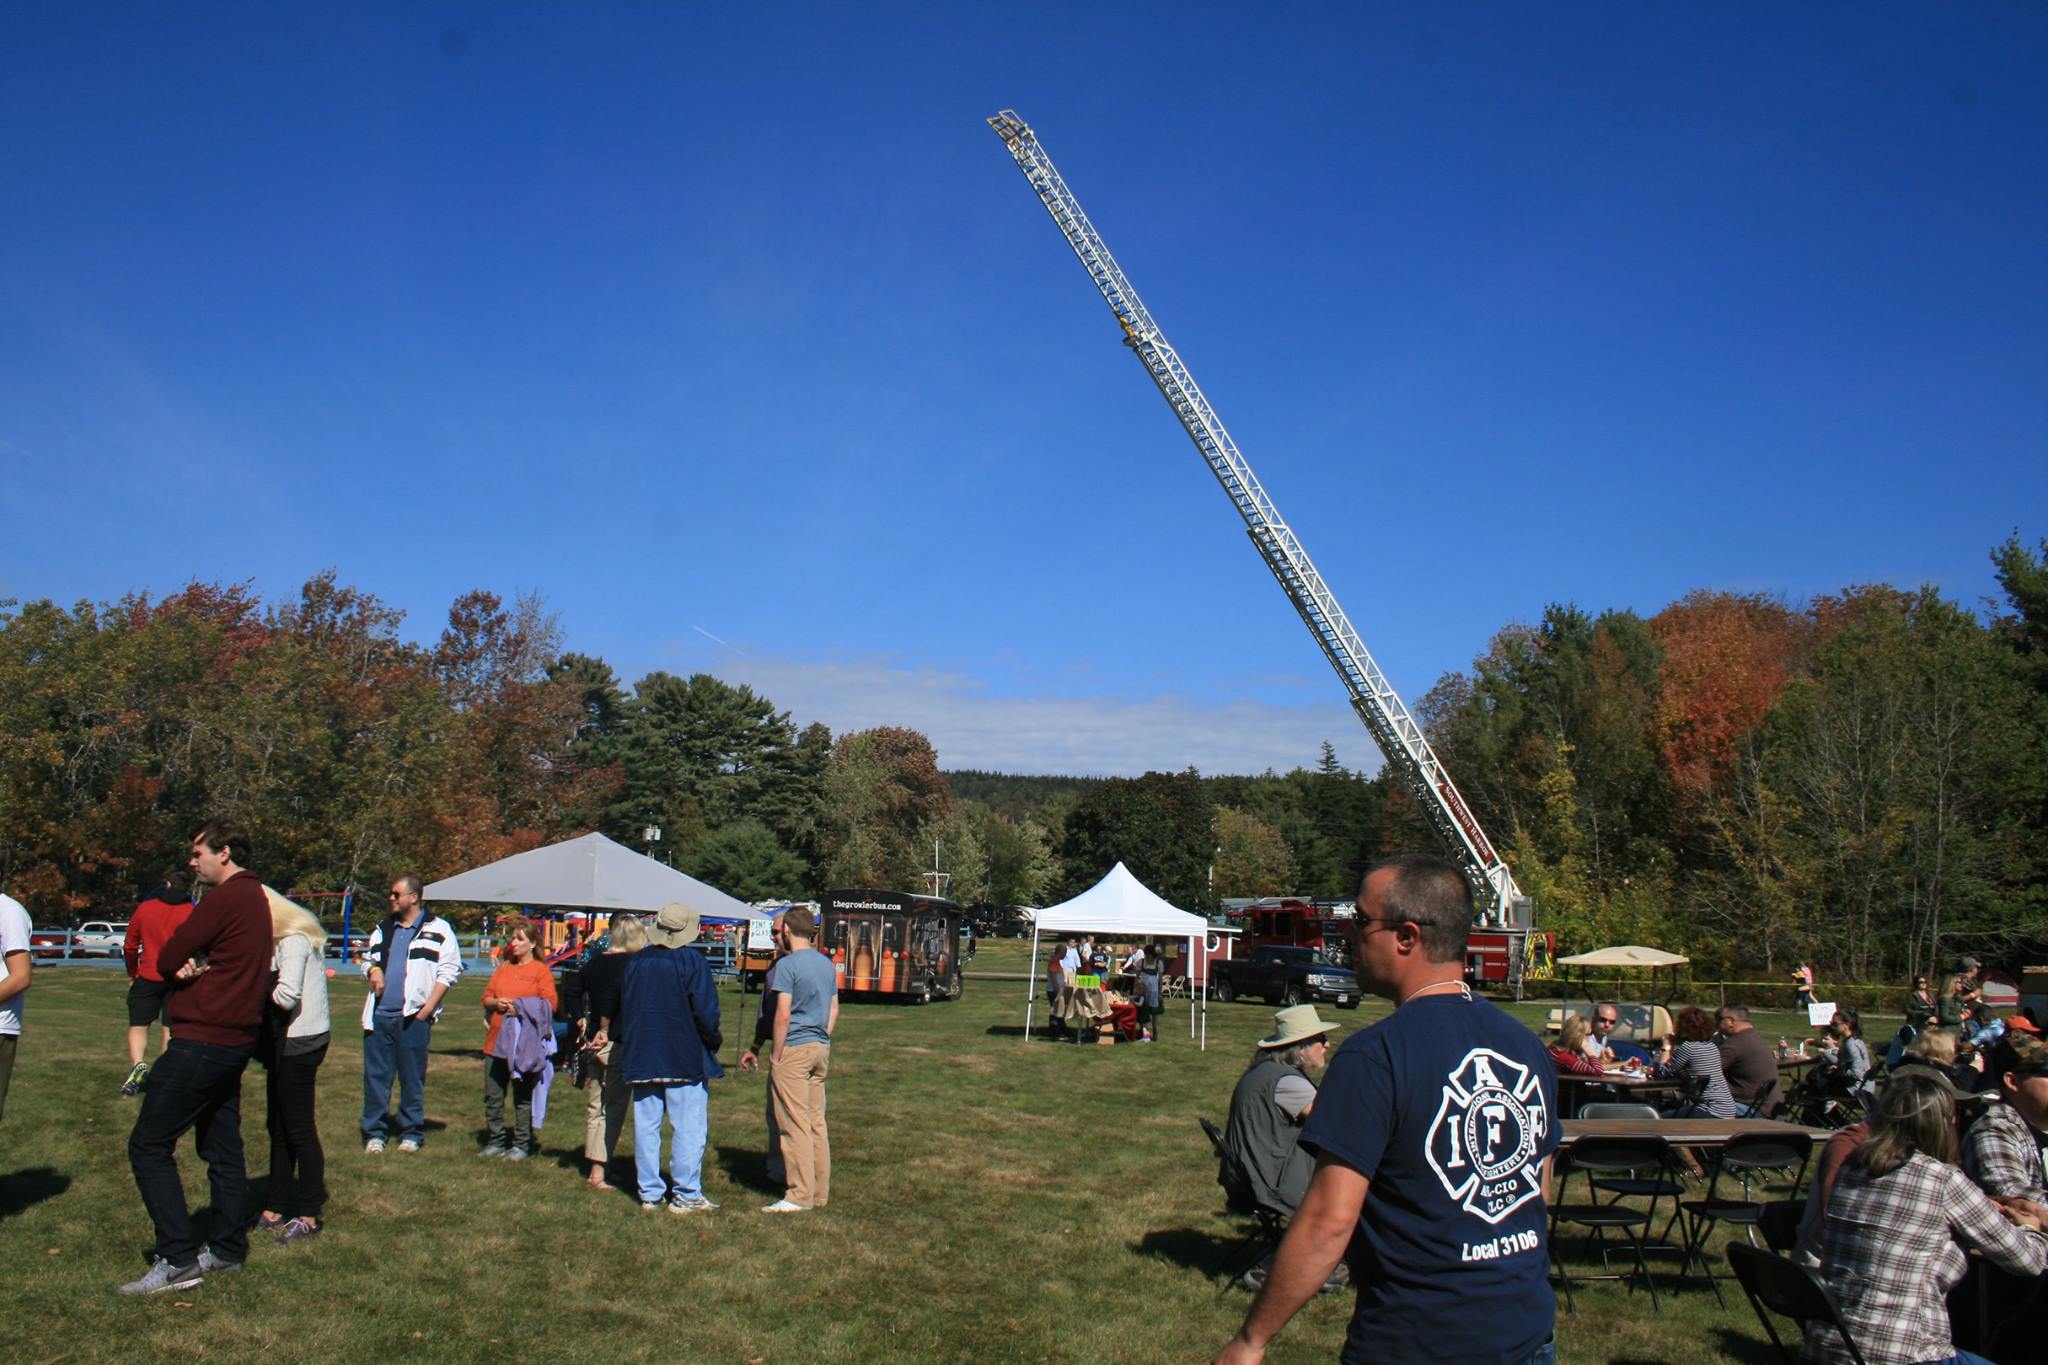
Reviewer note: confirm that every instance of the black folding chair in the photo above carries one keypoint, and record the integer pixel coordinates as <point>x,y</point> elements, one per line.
<point>1661,1184</point>
<point>1745,1157</point>
<point>1268,1223</point>
<point>1790,1289</point>
<point>1628,1155</point>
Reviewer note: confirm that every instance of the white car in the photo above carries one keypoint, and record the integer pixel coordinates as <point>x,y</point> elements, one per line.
<point>101,938</point>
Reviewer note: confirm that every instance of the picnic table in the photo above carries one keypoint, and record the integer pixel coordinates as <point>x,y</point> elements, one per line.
<point>1687,1132</point>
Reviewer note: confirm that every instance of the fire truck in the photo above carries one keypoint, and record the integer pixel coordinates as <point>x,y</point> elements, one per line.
<point>1291,921</point>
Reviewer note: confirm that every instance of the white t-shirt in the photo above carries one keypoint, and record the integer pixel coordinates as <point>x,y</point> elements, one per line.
<point>14,938</point>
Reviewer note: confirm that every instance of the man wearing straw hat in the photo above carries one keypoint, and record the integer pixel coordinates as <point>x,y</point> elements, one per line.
<point>668,1051</point>
<point>1272,1100</point>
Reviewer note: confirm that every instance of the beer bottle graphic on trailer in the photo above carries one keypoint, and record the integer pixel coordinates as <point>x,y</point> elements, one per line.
<point>891,965</point>
<point>863,967</point>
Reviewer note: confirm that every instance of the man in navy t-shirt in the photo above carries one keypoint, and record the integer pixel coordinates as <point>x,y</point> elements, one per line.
<point>1433,1134</point>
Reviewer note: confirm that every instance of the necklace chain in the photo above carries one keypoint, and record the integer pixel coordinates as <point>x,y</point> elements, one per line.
<point>1437,988</point>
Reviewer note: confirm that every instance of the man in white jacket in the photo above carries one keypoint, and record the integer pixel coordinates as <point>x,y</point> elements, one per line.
<point>412,960</point>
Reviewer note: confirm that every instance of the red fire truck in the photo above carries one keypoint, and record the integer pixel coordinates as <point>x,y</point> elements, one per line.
<point>1309,924</point>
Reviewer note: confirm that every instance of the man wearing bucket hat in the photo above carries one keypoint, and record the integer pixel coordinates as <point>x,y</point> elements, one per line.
<point>668,1051</point>
<point>1272,1100</point>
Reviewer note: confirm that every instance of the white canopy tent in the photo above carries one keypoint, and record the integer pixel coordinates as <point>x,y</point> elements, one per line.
<point>592,872</point>
<point>1121,904</point>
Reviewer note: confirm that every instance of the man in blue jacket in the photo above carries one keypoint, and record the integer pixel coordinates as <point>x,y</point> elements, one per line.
<point>669,1050</point>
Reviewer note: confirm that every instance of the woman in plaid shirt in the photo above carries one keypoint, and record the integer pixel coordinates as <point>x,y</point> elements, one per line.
<point>1898,1221</point>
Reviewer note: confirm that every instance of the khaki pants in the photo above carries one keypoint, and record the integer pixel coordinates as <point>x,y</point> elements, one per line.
<point>797,1085</point>
<point>605,1084</point>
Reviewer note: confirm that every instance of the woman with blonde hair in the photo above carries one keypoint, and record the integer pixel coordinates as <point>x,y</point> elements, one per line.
<point>1569,1051</point>
<point>602,981</point>
<point>298,1029</point>
<point>1898,1223</point>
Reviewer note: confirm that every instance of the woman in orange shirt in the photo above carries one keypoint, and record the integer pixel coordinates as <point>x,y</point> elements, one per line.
<point>522,975</point>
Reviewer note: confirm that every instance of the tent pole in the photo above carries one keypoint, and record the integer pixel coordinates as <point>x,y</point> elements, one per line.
<point>1031,983</point>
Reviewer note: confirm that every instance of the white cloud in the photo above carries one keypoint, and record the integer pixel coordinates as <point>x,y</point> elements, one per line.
<point>1093,736</point>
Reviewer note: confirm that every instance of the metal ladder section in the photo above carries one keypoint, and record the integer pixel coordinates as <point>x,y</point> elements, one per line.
<point>1500,902</point>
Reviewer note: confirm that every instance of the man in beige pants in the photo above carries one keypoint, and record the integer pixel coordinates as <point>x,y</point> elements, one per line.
<point>806,1012</point>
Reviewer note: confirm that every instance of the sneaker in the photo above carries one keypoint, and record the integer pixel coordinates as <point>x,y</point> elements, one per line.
<point>373,1146</point>
<point>408,1144</point>
<point>515,1154</point>
<point>783,1206</point>
<point>138,1078</point>
<point>298,1230</point>
<point>163,1275</point>
<point>655,1207</point>
<point>690,1203</point>
<point>211,1264</point>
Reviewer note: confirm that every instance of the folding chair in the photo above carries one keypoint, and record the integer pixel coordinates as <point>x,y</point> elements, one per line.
<point>1746,1156</point>
<point>1662,1184</point>
<point>1623,1154</point>
<point>1788,1288</point>
<point>1269,1223</point>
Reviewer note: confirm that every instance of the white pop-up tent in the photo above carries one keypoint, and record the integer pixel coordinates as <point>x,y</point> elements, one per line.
<point>593,873</point>
<point>1121,904</point>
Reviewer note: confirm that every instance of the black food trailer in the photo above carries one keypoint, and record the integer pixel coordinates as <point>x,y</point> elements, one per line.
<point>892,944</point>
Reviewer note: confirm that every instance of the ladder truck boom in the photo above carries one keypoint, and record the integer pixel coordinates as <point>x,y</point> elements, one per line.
<point>1400,739</point>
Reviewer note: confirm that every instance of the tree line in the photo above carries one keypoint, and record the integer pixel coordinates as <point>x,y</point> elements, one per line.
<point>1861,781</point>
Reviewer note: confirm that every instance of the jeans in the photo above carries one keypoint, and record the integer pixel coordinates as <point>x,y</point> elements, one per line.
<point>193,1087</point>
<point>687,1108</point>
<point>498,1079</point>
<point>396,1044</point>
<point>298,1164</point>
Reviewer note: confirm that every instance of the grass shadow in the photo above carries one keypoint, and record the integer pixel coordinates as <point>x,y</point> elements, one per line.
<point>1754,1350</point>
<point>747,1166</point>
<point>1210,1253</point>
<point>23,1190</point>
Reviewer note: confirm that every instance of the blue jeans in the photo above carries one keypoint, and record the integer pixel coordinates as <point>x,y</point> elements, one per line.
<point>396,1044</point>
<point>688,1110</point>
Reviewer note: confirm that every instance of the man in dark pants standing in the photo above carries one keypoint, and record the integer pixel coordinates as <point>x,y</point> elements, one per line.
<point>220,959</point>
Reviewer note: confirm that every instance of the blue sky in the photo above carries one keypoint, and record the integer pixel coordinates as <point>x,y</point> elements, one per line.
<point>735,333</point>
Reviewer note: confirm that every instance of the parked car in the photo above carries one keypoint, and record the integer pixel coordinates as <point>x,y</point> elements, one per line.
<point>102,938</point>
<point>50,942</point>
<point>1284,975</point>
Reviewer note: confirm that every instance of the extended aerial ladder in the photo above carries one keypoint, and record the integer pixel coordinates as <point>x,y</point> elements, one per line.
<point>1501,904</point>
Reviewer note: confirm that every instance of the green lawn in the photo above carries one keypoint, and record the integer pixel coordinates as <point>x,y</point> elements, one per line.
<point>993,1200</point>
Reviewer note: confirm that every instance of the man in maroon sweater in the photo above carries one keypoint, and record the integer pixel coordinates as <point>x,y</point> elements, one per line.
<point>219,959</point>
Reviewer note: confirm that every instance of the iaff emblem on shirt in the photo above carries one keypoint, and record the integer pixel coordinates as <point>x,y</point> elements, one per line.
<point>1483,1141</point>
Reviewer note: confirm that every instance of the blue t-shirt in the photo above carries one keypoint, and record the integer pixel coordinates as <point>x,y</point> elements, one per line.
<point>807,977</point>
<point>393,999</point>
<point>1448,1107</point>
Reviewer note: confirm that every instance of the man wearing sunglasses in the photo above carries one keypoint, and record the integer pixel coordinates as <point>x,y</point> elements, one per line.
<point>412,960</point>
<point>1433,1135</point>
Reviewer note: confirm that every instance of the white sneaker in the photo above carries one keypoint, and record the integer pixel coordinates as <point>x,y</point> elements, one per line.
<point>408,1144</point>
<point>373,1147</point>
<point>783,1206</point>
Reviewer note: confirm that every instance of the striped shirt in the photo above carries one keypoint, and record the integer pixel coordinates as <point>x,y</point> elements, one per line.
<point>1693,1060</point>
<point>1893,1248</point>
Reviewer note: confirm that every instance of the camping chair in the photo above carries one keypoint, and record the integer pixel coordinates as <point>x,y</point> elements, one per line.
<point>1622,1154</point>
<point>1745,1156</point>
<point>1785,1287</point>
<point>1269,1223</point>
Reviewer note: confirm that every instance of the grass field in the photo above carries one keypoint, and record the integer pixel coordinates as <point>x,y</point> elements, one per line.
<point>993,1200</point>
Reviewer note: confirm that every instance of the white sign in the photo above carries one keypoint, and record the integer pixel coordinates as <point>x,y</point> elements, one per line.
<point>760,936</point>
<point>1819,1015</point>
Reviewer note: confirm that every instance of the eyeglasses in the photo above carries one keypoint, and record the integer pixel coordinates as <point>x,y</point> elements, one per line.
<point>1391,923</point>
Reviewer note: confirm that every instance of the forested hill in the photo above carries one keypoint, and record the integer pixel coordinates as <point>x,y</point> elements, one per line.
<point>1014,795</point>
